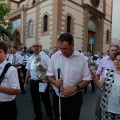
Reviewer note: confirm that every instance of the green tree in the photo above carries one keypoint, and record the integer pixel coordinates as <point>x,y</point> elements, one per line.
<point>5,27</point>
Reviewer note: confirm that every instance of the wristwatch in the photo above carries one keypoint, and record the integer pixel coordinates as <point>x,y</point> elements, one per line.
<point>78,88</point>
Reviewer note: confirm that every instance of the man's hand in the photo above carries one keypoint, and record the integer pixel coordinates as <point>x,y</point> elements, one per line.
<point>58,83</point>
<point>25,86</point>
<point>69,90</point>
<point>93,75</point>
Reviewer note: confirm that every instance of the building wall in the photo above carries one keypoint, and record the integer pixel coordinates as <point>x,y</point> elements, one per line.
<point>81,11</point>
<point>77,14</point>
<point>30,16</point>
<point>107,25</point>
<point>45,37</point>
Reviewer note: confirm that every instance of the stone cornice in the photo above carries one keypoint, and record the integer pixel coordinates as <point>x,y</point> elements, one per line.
<point>16,12</point>
<point>72,1</point>
<point>93,10</point>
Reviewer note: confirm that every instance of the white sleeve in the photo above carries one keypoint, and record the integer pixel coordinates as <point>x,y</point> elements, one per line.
<point>28,64</point>
<point>50,70</point>
<point>19,59</point>
<point>12,77</point>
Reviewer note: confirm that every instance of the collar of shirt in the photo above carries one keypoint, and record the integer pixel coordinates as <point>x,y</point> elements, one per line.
<point>2,65</point>
<point>75,53</point>
<point>108,58</point>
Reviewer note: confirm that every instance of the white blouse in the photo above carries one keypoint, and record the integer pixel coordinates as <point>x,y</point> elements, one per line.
<point>114,96</point>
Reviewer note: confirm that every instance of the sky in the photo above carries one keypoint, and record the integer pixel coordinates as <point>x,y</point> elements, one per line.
<point>116,19</point>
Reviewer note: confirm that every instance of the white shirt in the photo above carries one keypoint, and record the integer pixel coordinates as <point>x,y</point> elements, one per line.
<point>10,80</point>
<point>18,59</point>
<point>114,96</point>
<point>24,59</point>
<point>73,69</point>
<point>98,61</point>
<point>44,61</point>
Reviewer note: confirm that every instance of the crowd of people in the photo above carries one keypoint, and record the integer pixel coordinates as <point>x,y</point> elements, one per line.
<point>69,71</point>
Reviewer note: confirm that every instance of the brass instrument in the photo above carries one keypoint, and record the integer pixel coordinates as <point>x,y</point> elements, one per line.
<point>40,67</point>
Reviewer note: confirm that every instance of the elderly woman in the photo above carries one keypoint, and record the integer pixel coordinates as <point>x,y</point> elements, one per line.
<point>110,80</point>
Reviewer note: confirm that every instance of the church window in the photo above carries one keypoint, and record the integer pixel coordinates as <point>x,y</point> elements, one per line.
<point>69,24</point>
<point>33,3</point>
<point>91,25</point>
<point>45,20</point>
<point>30,28</point>
<point>107,36</point>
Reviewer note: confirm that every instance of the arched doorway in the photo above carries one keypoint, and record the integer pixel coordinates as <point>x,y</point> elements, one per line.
<point>91,34</point>
<point>17,33</point>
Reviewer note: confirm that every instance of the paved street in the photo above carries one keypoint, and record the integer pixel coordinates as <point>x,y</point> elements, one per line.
<point>25,110</point>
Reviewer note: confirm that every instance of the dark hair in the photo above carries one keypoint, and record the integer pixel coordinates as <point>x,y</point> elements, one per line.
<point>15,47</point>
<point>66,37</point>
<point>24,51</point>
<point>114,46</point>
<point>117,53</point>
<point>3,46</point>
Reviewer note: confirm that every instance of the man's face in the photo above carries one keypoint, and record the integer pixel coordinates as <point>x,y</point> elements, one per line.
<point>100,55</point>
<point>113,51</point>
<point>13,50</point>
<point>55,50</point>
<point>2,55</point>
<point>36,48</point>
<point>66,49</point>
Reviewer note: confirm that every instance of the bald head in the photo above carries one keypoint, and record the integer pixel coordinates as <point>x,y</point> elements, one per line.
<point>36,43</point>
<point>37,47</point>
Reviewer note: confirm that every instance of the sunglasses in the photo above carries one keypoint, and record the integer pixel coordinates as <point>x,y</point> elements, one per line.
<point>36,46</point>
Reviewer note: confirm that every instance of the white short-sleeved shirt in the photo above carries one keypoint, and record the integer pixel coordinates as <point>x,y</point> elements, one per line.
<point>10,80</point>
<point>24,59</point>
<point>18,59</point>
<point>73,69</point>
<point>45,61</point>
<point>114,96</point>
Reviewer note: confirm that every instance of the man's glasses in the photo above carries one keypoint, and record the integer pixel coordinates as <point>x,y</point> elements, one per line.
<point>36,46</point>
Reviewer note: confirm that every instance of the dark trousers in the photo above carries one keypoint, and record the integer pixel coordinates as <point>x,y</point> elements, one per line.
<point>70,106</point>
<point>92,85</point>
<point>20,80</point>
<point>8,110</point>
<point>36,99</point>
<point>23,71</point>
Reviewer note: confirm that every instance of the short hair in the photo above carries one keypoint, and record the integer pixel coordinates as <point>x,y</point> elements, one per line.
<point>117,53</point>
<point>114,46</point>
<point>3,46</point>
<point>66,37</point>
<point>15,47</point>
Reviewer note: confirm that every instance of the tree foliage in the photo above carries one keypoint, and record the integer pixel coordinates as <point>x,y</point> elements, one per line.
<point>6,27</point>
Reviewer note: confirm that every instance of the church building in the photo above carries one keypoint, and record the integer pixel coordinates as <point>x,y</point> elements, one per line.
<point>89,21</point>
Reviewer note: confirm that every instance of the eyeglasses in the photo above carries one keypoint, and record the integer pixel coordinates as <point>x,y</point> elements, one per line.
<point>36,46</point>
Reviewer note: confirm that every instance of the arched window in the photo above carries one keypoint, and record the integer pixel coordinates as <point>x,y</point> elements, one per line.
<point>91,25</point>
<point>30,28</point>
<point>107,36</point>
<point>69,24</point>
<point>45,22</point>
<point>33,3</point>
